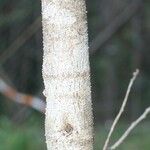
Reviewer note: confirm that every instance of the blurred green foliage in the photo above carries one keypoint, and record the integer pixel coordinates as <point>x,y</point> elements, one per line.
<point>137,140</point>
<point>30,136</point>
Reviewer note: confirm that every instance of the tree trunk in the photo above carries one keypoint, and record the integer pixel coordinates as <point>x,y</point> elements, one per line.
<point>66,75</point>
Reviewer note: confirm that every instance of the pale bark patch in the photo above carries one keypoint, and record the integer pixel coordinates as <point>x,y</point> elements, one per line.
<point>66,75</point>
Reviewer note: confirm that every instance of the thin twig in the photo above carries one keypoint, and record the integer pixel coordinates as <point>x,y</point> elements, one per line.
<point>121,109</point>
<point>131,127</point>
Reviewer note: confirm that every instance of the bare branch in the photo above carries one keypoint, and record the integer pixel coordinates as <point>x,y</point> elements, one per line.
<point>33,28</point>
<point>114,26</point>
<point>131,127</point>
<point>95,44</point>
<point>27,100</point>
<point>121,109</point>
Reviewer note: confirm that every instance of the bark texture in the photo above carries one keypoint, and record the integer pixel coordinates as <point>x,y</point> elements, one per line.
<point>66,75</point>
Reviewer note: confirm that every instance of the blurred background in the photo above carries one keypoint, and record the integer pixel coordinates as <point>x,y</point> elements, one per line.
<point>119,33</point>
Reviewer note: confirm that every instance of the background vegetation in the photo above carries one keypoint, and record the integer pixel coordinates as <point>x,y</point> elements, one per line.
<point>119,33</point>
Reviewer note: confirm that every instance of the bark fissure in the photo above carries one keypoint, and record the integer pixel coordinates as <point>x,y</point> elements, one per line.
<point>64,75</point>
